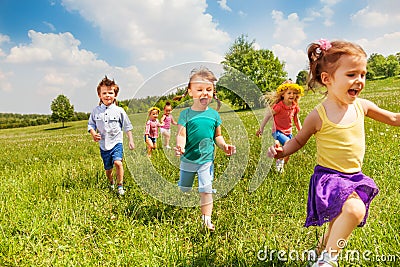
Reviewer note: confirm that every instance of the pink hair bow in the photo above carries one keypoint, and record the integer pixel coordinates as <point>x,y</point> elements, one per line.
<point>324,44</point>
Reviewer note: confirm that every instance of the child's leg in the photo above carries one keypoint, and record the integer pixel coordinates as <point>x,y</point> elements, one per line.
<point>322,241</point>
<point>206,206</point>
<point>149,144</point>
<point>110,176</point>
<point>119,171</point>
<point>166,137</point>
<point>353,212</point>
<point>206,176</point>
<point>206,203</point>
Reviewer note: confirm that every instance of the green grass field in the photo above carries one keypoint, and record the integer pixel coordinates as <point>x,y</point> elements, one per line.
<point>56,209</point>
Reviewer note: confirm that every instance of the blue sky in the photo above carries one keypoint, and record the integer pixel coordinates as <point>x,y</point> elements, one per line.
<point>52,47</point>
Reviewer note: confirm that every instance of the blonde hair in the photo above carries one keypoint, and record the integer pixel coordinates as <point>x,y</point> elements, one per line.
<point>275,97</point>
<point>151,109</point>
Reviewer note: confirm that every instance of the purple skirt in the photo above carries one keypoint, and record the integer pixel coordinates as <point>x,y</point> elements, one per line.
<point>328,191</point>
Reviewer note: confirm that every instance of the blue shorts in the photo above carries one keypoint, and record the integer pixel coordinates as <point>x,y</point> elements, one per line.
<point>112,155</point>
<point>205,173</point>
<point>153,139</point>
<point>281,137</point>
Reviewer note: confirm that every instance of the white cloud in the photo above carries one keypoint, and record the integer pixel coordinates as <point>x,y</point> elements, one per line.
<point>326,12</point>
<point>288,31</point>
<point>4,38</point>
<point>5,85</point>
<point>330,2</point>
<point>388,44</point>
<point>384,14</point>
<point>242,14</point>
<point>295,59</point>
<point>155,31</point>
<point>224,5</point>
<point>53,64</point>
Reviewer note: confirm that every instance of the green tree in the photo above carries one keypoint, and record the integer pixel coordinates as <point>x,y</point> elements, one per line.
<point>260,67</point>
<point>62,109</point>
<point>392,66</point>
<point>398,56</point>
<point>301,78</point>
<point>376,65</point>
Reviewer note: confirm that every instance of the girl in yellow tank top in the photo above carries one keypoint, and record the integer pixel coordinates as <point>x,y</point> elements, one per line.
<point>339,193</point>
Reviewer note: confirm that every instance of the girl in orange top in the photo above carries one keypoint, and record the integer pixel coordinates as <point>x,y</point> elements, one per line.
<point>284,110</point>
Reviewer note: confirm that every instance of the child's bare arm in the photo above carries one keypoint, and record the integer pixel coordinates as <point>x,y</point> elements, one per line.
<point>268,115</point>
<point>220,141</point>
<point>130,140</point>
<point>180,141</point>
<point>374,112</point>
<point>173,121</point>
<point>162,118</point>
<point>297,122</point>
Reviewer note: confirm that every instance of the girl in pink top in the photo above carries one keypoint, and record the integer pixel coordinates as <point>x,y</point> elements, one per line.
<point>284,110</point>
<point>151,132</point>
<point>167,120</point>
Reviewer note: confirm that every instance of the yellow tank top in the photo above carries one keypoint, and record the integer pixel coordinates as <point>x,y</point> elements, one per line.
<point>341,147</point>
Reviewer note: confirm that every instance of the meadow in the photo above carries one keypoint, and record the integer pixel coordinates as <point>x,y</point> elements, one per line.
<point>56,208</point>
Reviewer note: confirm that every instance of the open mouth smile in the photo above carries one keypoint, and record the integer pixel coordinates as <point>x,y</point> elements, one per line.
<point>204,101</point>
<point>353,92</point>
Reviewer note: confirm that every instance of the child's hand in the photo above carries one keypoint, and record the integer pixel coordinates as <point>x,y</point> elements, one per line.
<point>259,132</point>
<point>131,145</point>
<point>179,151</point>
<point>229,149</point>
<point>274,150</point>
<point>96,137</point>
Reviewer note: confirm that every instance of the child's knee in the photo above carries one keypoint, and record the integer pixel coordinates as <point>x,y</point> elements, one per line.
<point>118,163</point>
<point>355,207</point>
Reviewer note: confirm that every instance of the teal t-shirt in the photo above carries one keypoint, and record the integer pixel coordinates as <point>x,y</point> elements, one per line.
<point>200,130</point>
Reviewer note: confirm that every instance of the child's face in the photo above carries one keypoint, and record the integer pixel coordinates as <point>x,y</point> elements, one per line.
<point>289,96</point>
<point>348,80</point>
<point>202,93</point>
<point>107,95</point>
<point>167,110</point>
<point>154,115</point>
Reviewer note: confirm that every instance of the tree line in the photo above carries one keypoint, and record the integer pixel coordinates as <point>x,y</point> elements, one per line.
<point>15,120</point>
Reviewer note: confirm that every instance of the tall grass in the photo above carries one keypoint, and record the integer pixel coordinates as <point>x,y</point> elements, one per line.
<point>56,210</point>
